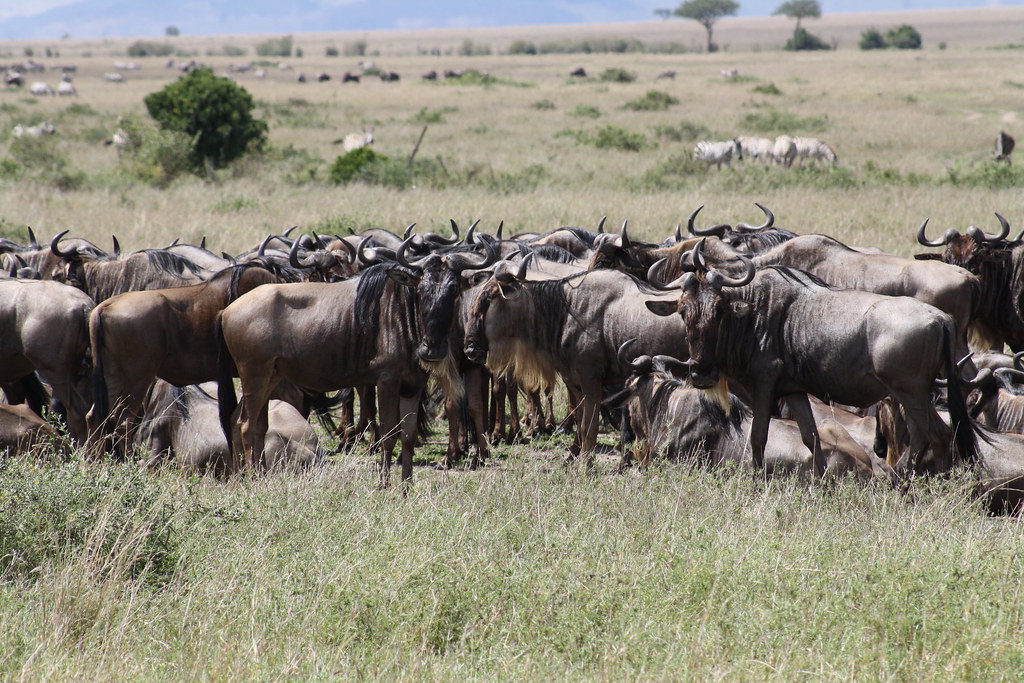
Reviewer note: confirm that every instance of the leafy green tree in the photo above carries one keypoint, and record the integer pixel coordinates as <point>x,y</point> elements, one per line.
<point>799,9</point>
<point>872,39</point>
<point>706,13</point>
<point>214,112</point>
<point>663,13</point>
<point>802,40</point>
<point>904,37</point>
<point>172,31</point>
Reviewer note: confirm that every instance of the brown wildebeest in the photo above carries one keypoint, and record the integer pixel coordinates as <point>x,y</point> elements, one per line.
<point>44,328</point>
<point>783,333</point>
<point>181,425</point>
<point>375,329</point>
<point>137,337</point>
<point>22,430</point>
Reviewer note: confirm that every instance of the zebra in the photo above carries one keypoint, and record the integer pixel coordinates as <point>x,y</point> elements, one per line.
<point>356,140</point>
<point>784,151</point>
<point>814,149</point>
<point>36,131</point>
<point>41,88</point>
<point>756,148</point>
<point>718,153</point>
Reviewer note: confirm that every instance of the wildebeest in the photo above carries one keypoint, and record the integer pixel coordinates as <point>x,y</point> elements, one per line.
<point>113,77</point>
<point>21,430</point>
<point>375,329</point>
<point>783,333</point>
<point>1004,146</point>
<point>999,266</point>
<point>139,336</point>
<point>578,72</point>
<point>349,77</point>
<point>322,77</point>
<point>44,328</point>
<point>389,76</point>
<point>537,331</point>
<point>717,152</point>
<point>430,75</point>
<point>182,425</point>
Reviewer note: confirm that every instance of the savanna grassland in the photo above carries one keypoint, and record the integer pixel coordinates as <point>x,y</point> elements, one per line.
<point>523,570</point>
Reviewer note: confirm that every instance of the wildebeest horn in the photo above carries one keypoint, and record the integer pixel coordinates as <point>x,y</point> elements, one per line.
<point>288,232</point>
<point>461,262</point>
<point>640,365</point>
<point>173,244</point>
<point>400,255</point>
<point>55,247</point>
<point>454,239</point>
<point>373,255</point>
<point>718,279</point>
<point>524,264</point>
<point>679,233</point>
<point>654,281</point>
<point>769,221</point>
<point>497,233</point>
<point>624,236</point>
<point>202,242</point>
<point>672,365</point>
<point>470,234</point>
<point>349,248</point>
<point>924,241</point>
<point>293,257</point>
<point>263,245</point>
<point>713,231</point>
<point>32,239</point>
<point>408,229</point>
<point>600,224</point>
<point>1018,360</point>
<point>981,236</point>
<point>117,245</point>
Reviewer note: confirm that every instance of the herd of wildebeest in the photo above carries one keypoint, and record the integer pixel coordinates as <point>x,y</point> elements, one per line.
<point>727,345</point>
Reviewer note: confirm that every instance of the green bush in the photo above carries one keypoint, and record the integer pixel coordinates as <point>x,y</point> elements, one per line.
<point>275,47</point>
<point>872,39</point>
<point>233,51</point>
<point>766,89</point>
<point>543,104</point>
<point>671,174</point>
<point>470,49</point>
<point>614,137</point>
<point>474,77</point>
<point>618,75</point>
<point>684,132</point>
<point>52,513</point>
<point>425,115</point>
<point>653,100</point>
<point>149,48</point>
<point>521,47</point>
<point>44,159</point>
<point>350,165</point>
<point>802,40</point>
<point>775,121</point>
<point>356,48</point>
<point>585,111</point>
<point>331,51</point>
<point>904,37</point>
<point>215,112</point>
<point>992,175</point>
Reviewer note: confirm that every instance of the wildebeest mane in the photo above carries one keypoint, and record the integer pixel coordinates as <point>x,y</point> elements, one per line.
<point>553,252</point>
<point>372,292</point>
<point>720,420</point>
<point>800,277</point>
<point>757,242</point>
<point>279,271</point>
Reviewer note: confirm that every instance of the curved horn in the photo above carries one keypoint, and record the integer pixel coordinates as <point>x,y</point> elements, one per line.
<point>1010,379</point>
<point>262,251</point>
<point>364,258</point>
<point>202,242</point>
<point>117,245</point>
<point>348,248</point>
<point>624,236</point>
<point>713,231</point>
<point>654,281</point>
<point>408,229</point>
<point>1018,360</point>
<point>673,365</point>
<point>55,248</point>
<point>461,262</point>
<point>454,239</point>
<point>173,244</point>
<point>982,236</point>
<point>32,239</point>
<point>524,264</point>
<point>288,232</point>
<point>718,279</point>
<point>679,233</point>
<point>924,241</point>
<point>640,365</point>
<point>769,220</point>
<point>293,257</point>
<point>400,255</point>
<point>497,233</point>
<point>470,234</point>
<point>600,224</point>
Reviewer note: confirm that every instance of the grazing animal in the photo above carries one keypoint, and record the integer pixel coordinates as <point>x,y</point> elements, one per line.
<point>13,79</point>
<point>349,77</point>
<point>670,74</point>
<point>322,77</point>
<point>730,73</point>
<point>757,148</point>
<point>36,131</point>
<point>783,333</point>
<point>430,75</point>
<point>813,149</point>
<point>22,430</point>
<point>113,77</point>
<point>578,72</point>
<point>784,151</point>
<point>66,88</point>
<point>717,153</point>
<point>41,88</point>
<point>356,140</point>
<point>1004,146</point>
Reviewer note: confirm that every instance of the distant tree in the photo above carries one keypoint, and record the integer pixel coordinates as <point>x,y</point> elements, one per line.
<point>331,51</point>
<point>802,40</point>
<point>663,13</point>
<point>275,47</point>
<point>706,13</point>
<point>172,31</point>
<point>799,9</point>
<point>904,37</point>
<point>872,39</point>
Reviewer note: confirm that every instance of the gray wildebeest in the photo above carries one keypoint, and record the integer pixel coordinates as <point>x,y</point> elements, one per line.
<point>44,328</point>
<point>21,430</point>
<point>783,333</point>
<point>376,329</point>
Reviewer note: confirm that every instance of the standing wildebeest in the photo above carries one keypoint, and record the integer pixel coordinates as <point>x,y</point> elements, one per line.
<point>137,337</point>
<point>44,328</point>
<point>783,333</point>
<point>999,265</point>
<point>573,327</point>
<point>375,329</point>
<point>102,277</point>
<point>1004,146</point>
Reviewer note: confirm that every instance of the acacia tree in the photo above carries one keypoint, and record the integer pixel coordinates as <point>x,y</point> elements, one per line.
<point>706,13</point>
<point>798,9</point>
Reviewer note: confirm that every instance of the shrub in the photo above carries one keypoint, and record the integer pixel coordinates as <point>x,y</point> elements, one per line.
<point>904,37</point>
<point>872,39</point>
<point>775,121</point>
<point>522,47</point>
<point>275,47</point>
<point>474,77</point>
<point>653,100</point>
<point>331,51</point>
<point>618,75</point>
<point>614,137</point>
<point>585,111</point>
<point>991,175</point>
<point>214,112</point>
<point>671,174</point>
<point>684,132</point>
<point>425,115</point>
<point>356,48</point>
<point>233,51</point>
<point>543,104</point>
<point>802,40</point>
<point>149,48</point>
<point>348,166</point>
<point>470,49</point>
<point>766,89</point>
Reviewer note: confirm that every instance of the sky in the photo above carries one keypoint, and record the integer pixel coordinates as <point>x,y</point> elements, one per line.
<point>50,19</point>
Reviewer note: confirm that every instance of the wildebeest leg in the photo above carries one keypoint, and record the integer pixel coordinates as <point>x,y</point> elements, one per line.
<point>568,423</point>
<point>512,393</point>
<point>453,413</point>
<point>499,387</point>
<point>389,405</point>
<point>346,430</point>
<point>532,416</point>
<point>368,415</point>
<point>257,385</point>
<point>801,408</point>
<point>409,420</point>
<point>549,416</point>
<point>476,404</point>
<point>759,421</point>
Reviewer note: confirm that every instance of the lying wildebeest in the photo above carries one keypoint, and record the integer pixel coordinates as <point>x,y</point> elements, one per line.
<point>137,337</point>
<point>44,328</point>
<point>182,425</point>
<point>375,329</point>
<point>21,430</point>
<point>783,333</point>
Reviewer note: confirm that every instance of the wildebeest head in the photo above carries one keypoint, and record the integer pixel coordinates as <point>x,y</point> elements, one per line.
<point>438,281</point>
<point>334,263</point>
<point>971,249</point>
<point>704,306</point>
<point>504,283</point>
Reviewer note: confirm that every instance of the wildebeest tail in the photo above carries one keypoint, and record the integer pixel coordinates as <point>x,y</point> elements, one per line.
<point>321,405</point>
<point>226,400</point>
<point>35,393</point>
<point>965,435</point>
<point>100,399</point>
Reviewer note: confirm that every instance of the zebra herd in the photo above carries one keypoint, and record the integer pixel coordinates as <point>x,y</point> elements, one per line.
<point>782,151</point>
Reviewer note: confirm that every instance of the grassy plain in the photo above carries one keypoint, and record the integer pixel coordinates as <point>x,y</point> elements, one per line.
<point>523,570</point>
